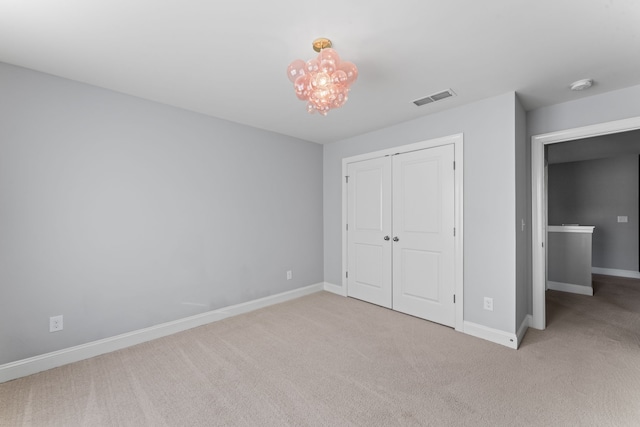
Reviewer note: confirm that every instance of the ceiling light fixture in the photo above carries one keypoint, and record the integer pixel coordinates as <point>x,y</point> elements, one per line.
<point>581,84</point>
<point>323,81</point>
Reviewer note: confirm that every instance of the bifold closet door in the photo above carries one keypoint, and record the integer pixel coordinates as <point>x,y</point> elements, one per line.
<point>369,231</point>
<point>423,234</point>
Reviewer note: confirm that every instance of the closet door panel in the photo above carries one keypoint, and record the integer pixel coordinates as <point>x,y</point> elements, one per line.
<point>423,221</point>
<point>419,267</point>
<point>369,222</point>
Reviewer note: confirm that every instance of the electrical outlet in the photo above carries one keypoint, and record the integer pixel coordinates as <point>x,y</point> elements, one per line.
<point>289,275</point>
<point>488,303</point>
<point>623,218</point>
<point>55,323</point>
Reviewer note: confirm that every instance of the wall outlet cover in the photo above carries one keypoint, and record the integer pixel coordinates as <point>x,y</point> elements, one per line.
<point>55,323</point>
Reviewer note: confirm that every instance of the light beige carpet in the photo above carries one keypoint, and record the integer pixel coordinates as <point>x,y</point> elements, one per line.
<point>325,360</point>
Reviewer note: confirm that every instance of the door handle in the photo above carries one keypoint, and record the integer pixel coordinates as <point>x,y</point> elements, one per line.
<point>386,237</point>
<point>395,239</point>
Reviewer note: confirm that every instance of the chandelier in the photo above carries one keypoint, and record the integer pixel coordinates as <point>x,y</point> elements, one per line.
<point>322,81</point>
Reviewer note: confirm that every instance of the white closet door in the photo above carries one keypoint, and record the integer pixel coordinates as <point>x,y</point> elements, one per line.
<point>369,222</point>
<point>423,221</point>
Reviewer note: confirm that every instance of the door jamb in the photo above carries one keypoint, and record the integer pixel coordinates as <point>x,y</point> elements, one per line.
<point>538,204</point>
<point>458,142</point>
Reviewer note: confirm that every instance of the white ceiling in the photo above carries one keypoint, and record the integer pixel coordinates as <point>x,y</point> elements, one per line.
<point>228,59</point>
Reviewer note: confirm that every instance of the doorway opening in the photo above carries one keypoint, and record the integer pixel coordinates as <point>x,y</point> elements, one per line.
<point>539,201</point>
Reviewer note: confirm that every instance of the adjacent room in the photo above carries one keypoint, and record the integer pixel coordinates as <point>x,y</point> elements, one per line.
<point>594,182</point>
<point>347,213</point>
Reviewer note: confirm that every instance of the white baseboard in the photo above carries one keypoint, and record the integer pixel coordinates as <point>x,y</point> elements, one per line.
<point>335,289</point>
<point>32,365</point>
<point>615,272</point>
<point>570,287</point>
<point>494,335</point>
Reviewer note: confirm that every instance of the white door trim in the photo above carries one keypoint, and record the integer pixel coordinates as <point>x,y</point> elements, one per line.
<point>458,142</point>
<point>538,201</point>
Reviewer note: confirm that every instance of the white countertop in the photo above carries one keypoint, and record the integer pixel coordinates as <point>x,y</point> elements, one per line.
<point>571,228</point>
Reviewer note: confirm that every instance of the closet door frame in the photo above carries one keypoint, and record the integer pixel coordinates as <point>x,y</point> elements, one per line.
<point>458,143</point>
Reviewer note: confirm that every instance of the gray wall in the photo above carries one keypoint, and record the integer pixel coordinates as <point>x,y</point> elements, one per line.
<point>596,192</point>
<point>489,199</point>
<point>570,257</point>
<point>523,213</point>
<point>597,147</point>
<point>614,105</point>
<point>120,213</point>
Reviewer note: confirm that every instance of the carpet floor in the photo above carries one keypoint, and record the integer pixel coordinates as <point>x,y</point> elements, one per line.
<point>326,360</point>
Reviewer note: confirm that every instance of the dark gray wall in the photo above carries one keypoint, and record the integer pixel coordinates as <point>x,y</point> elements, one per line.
<point>599,147</point>
<point>570,257</point>
<point>596,192</point>
<point>120,213</point>
<point>489,199</point>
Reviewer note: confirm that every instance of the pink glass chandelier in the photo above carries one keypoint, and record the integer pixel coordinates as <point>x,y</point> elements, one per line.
<point>323,81</point>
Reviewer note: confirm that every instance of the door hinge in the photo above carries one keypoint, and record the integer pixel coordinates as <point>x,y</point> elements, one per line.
<point>347,274</point>
<point>347,227</point>
<point>454,232</point>
<point>454,298</point>
<point>454,165</point>
<point>347,179</point>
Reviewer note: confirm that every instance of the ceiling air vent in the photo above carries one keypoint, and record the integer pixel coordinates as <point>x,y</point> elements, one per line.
<point>434,97</point>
